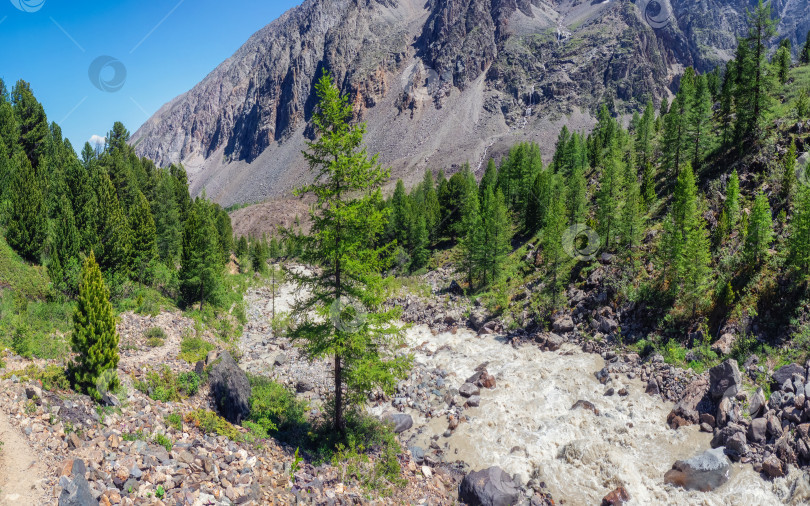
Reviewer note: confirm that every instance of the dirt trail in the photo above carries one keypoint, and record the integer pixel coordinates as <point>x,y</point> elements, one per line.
<point>20,471</point>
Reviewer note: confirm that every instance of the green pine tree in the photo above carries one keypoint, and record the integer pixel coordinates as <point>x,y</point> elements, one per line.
<point>699,122</point>
<point>201,266</point>
<point>95,338</point>
<point>804,56</point>
<point>27,225</point>
<point>64,266</point>
<point>470,238</point>
<point>420,243</point>
<point>782,61</point>
<point>144,248</point>
<point>553,252</point>
<point>343,316</point>
<point>609,197</point>
<point>168,225</point>
<point>113,235</point>
<point>31,122</point>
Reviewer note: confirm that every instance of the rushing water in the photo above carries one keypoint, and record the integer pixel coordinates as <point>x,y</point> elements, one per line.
<point>579,455</point>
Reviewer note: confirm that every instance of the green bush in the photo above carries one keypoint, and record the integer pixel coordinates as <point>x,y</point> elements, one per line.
<point>163,441</point>
<point>21,341</point>
<point>52,377</point>
<point>155,337</point>
<point>211,423</point>
<point>274,407</point>
<point>166,386</point>
<point>194,349</point>
<point>175,420</point>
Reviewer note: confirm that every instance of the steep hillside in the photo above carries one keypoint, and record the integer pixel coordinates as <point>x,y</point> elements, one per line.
<point>438,82</point>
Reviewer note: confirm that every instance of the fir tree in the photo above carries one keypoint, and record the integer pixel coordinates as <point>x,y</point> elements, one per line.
<point>553,252</point>
<point>731,208</point>
<point>470,238</point>
<point>577,194</point>
<point>94,339</point>
<point>400,215</point>
<point>755,78</point>
<point>632,216</point>
<point>26,228</point>
<point>31,122</point>
<point>168,227</point>
<point>431,208</point>
<point>64,266</point>
<point>609,197</point>
<point>420,242</point>
<point>346,292</point>
<point>113,236</point>
<point>760,231</point>
<point>201,266</point>
<point>694,266</point>
<point>142,224</point>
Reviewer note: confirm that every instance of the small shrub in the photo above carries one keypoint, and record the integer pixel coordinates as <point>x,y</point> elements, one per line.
<point>134,436</point>
<point>52,377</point>
<point>211,423</point>
<point>154,342</point>
<point>159,492</point>
<point>175,420</point>
<point>164,441</point>
<point>194,349</point>
<point>21,341</point>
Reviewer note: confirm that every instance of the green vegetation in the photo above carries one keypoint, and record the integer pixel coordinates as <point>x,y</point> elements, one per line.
<point>194,349</point>
<point>155,337</point>
<point>276,409</point>
<point>164,441</point>
<point>175,420</point>
<point>211,423</point>
<point>52,377</point>
<point>166,386</point>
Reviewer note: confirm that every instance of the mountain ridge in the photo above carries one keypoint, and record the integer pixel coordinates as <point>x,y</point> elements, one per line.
<point>438,83</point>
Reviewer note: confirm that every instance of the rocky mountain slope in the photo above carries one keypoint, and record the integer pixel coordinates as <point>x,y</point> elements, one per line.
<point>438,82</point>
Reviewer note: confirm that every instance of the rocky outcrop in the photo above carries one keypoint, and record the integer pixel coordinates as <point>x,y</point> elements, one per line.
<point>489,487</point>
<point>230,389</point>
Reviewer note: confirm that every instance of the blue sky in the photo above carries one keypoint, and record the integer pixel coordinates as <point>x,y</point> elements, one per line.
<point>140,54</point>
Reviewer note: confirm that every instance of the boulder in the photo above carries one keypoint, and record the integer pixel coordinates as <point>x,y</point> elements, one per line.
<point>724,345</point>
<point>724,379</point>
<point>551,342</point>
<point>607,325</point>
<point>704,472</point>
<point>757,404</point>
<point>468,390</point>
<point>617,497</point>
<point>758,430</point>
<point>694,401</point>
<point>486,380</point>
<point>230,388</point>
<point>489,487</point>
<point>400,421</point>
<point>737,446</point>
<point>784,373</point>
<point>563,324</point>
<point>772,466</point>
<point>455,288</point>
<point>473,401</point>
<point>652,387</point>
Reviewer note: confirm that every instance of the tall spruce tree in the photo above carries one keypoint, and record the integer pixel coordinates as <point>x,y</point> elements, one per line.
<point>346,292</point>
<point>755,76</point>
<point>95,338</point>
<point>168,226</point>
<point>27,225</point>
<point>420,241</point>
<point>144,249</point>
<point>113,236</point>
<point>470,238</point>
<point>201,265</point>
<point>64,266</point>
<point>782,61</point>
<point>552,241</point>
<point>699,122</point>
<point>31,122</point>
<point>609,197</point>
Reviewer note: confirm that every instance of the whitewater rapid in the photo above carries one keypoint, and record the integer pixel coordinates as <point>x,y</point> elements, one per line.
<point>527,427</point>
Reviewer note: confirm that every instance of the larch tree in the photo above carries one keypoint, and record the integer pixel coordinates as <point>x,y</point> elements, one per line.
<point>799,239</point>
<point>142,224</point>
<point>201,265</point>
<point>760,231</point>
<point>342,316</point>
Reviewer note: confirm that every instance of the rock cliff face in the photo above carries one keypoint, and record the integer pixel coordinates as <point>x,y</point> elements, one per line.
<point>439,82</point>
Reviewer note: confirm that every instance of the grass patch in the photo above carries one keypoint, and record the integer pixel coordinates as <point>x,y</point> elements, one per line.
<point>155,337</point>
<point>175,421</point>
<point>35,328</point>
<point>166,386</point>
<point>30,281</point>
<point>163,441</point>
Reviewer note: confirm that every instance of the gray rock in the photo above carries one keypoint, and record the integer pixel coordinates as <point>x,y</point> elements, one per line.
<point>76,492</point>
<point>737,446</point>
<point>489,487</point>
<point>230,388</point>
<point>304,385</point>
<point>758,430</point>
<point>468,390</point>
<point>552,342</point>
<point>418,454</point>
<point>281,359</point>
<point>563,324</point>
<point>704,472</point>
<point>724,379</point>
<point>757,404</point>
<point>784,373</point>
<point>400,421</point>
<point>474,401</point>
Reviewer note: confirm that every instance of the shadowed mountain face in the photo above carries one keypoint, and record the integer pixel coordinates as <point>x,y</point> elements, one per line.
<point>439,82</point>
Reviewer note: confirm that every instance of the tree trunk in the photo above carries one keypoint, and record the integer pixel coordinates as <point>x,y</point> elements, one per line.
<point>340,425</point>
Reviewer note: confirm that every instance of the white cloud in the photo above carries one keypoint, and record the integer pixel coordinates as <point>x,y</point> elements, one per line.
<point>97,141</point>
